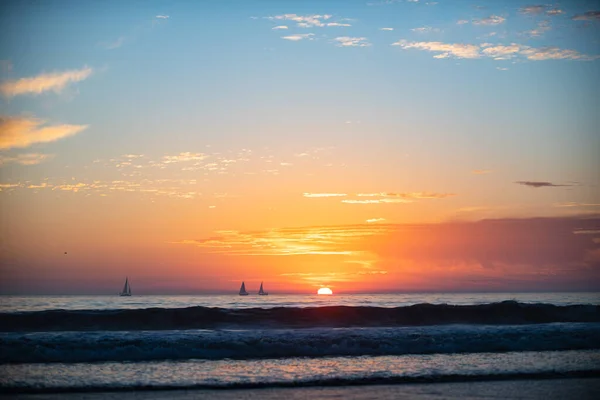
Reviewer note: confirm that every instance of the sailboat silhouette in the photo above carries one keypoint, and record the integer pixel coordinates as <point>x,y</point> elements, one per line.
<point>243,290</point>
<point>126,289</point>
<point>261,292</point>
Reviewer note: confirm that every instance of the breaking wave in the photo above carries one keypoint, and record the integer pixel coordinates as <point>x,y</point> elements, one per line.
<point>72,347</point>
<point>503,313</point>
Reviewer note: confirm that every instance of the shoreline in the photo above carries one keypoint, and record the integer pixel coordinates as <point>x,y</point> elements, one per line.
<point>548,388</point>
<point>332,383</point>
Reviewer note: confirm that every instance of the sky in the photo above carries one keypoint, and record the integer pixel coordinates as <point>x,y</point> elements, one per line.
<point>366,146</point>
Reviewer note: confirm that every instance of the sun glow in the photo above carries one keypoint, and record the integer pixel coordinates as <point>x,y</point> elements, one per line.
<point>325,290</point>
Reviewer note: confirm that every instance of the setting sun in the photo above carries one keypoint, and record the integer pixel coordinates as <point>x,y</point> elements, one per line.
<point>325,290</point>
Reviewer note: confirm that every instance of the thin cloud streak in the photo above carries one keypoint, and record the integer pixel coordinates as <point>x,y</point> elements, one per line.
<point>538,184</point>
<point>25,159</point>
<point>498,52</point>
<point>36,85</point>
<point>19,132</point>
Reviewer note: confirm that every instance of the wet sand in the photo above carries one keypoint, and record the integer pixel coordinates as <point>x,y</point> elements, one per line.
<point>580,389</point>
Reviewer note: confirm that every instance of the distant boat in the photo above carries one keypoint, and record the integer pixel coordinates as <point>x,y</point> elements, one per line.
<point>261,292</point>
<point>243,290</point>
<point>126,289</point>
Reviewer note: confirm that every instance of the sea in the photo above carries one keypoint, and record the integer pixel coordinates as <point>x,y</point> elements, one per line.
<point>88,344</point>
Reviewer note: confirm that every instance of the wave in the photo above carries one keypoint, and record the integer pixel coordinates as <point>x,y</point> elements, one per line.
<point>72,347</point>
<point>506,312</point>
<point>324,382</point>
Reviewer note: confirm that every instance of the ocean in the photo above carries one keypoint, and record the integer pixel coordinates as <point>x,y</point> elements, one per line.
<point>97,344</point>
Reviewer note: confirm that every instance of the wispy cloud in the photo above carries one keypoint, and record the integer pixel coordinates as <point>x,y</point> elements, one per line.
<point>184,157</point>
<point>481,171</point>
<point>426,29</point>
<point>162,17</point>
<point>532,10</point>
<point>374,220</point>
<point>462,22</point>
<point>338,24</point>
<point>500,52</point>
<point>538,184</point>
<point>409,195</point>
<point>299,36</point>
<point>587,16</point>
<point>491,20</point>
<point>540,9</point>
<point>377,201</point>
<point>346,41</point>
<point>55,82</point>
<point>279,27</point>
<point>446,49</point>
<point>287,242</point>
<point>115,44</point>
<point>542,27</point>
<point>324,194</point>
<point>576,204</point>
<point>25,159</point>
<point>303,21</point>
<point>18,132</point>
<point>386,29</point>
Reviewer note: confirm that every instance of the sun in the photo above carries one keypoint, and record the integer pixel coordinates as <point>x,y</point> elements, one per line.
<point>325,290</point>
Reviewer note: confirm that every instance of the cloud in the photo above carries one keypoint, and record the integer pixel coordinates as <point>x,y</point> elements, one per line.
<point>576,204</point>
<point>325,240</point>
<point>587,16</point>
<point>499,52</point>
<point>409,195</point>
<point>386,29</point>
<point>299,36</point>
<point>116,44</point>
<point>532,10</point>
<point>184,157</point>
<point>539,9</point>
<point>279,27</point>
<point>481,171</point>
<point>373,220</point>
<point>462,22</point>
<point>426,29</point>
<point>537,184</point>
<point>337,24</point>
<point>542,26</point>
<point>346,41</point>
<point>19,132</point>
<point>324,194</point>
<point>162,17</point>
<point>303,21</point>
<point>491,20</point>
<point>502,52</point>
<point>499,254</point>
<point>377,201</point>
<point>26,159</point>
<point>555,53</point>
<point>447,49</point>
<point>56,82</point>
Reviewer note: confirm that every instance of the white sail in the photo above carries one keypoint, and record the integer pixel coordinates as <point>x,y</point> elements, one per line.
<point>126,289</point>
<point>261,291</point>
<point>243,290</point>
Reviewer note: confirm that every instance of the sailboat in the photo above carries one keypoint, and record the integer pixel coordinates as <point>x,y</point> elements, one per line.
<point>126,289</point>
<point>243,290</point>
<point>261,292</point>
